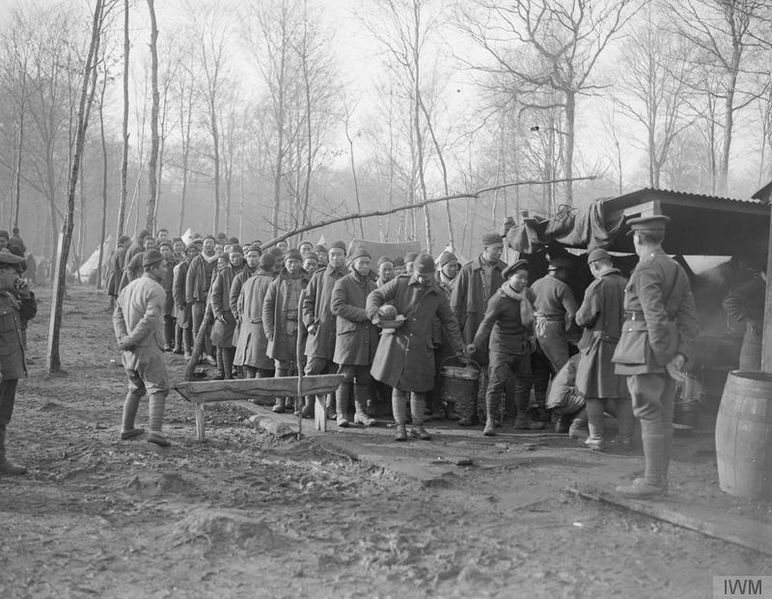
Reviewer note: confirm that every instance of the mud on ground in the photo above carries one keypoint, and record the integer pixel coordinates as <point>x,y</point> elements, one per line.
<point>251,515</point>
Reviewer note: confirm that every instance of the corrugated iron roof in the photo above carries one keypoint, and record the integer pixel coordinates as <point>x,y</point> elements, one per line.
<point>675,193</point>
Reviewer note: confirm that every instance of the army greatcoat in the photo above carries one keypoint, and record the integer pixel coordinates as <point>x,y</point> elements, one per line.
<point>222,332</point>
<point>316,311</point>
<point>282,339</point>
<point>404,359</point>
<point>602,315</point>
<point>357,335</point>
<point>252,342</point>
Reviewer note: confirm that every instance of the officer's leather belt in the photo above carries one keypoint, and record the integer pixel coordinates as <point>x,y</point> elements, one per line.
<point>638,315</point>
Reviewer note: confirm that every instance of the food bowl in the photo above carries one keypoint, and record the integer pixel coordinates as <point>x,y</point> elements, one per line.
<point>393,324</point>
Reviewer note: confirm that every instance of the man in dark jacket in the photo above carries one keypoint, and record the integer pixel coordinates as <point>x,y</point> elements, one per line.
<point>746,306</point>
<point>17,302</point>
<point>657,338</point>
<point>357,338</point>
<point>404,359</point>
<point>224,321</point>
<point>602,314</point>
<point>319,319</point>
<point>170,320</point>
<point>477,281</point>
<point>507,330</point>
<point>184,320</point>
<point>115,269</point>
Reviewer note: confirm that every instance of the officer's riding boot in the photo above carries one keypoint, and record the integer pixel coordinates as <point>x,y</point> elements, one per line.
<point>7,467</point>
<point>130,405</point>
<point>399,410</point>
<point>655,454</point>
<point>344,395</point>
<point>417,407</point>
<point>490,409</point>
<point>594,409</point>
<point>360,402</point>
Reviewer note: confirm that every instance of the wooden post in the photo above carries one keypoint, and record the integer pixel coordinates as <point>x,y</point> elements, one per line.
<point>766,347</point>
<point>54,301</point>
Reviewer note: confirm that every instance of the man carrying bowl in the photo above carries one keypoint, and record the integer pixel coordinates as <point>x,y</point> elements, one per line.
<point>404,359</point>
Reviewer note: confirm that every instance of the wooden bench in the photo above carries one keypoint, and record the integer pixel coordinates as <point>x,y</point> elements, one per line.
<point>199,393</point>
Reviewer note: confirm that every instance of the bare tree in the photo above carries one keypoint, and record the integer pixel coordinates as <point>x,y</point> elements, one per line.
<point>125,127</point>
<point>541,44</point>
<point>154,139</point>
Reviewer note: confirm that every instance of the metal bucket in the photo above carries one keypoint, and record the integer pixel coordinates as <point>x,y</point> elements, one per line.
<point>458,384</point>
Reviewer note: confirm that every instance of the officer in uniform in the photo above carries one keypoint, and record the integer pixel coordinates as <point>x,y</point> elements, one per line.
<point>657,338</point>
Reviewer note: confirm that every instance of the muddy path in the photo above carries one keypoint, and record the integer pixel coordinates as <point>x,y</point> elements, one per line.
<point>248,514</point>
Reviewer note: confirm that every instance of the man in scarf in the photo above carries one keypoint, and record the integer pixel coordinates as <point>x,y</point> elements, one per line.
<point>252,343</point>
<point>182,308</point>
<point>224,321</point>
<point>386,271</point>
<point>197,285</point>
<point>506,330</point>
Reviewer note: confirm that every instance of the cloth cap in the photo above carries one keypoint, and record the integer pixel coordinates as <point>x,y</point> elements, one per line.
<point>276,253</point>
<point>267,261</point>
<point>151,257</point>
<point>559,262</point>
<point>398,261</point>
<point>424,263</point>
<point>491,239</point>
<point>447,257</point>
<point>212,237</point>
<point>5,234</point>
<point>521,264</point>
<point>293,254</point>
<point>655,223</point>
<point>384,260</point>
<point>410,257</point>
<point>358,252</point>
<point>255,247</point>
<point>237,249</point>
<point>165,242</point>
<point>597,254</point>
<point>338,244</point>
<point>198,241</point>
<point>234,240</point>
<point>192,246</point>
<point>6,257</point>
<point>320,248</point>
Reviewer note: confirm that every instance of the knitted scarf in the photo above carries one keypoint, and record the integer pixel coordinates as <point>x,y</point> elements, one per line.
<point>526,309</point>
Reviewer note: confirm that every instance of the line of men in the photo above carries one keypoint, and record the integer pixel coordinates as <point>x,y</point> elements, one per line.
<point>272,307</point>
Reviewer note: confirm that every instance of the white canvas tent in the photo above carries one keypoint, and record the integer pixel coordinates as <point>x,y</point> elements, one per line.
<point>88,268</point>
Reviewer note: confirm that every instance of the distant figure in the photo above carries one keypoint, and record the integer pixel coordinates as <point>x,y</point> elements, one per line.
<point>746,305</point>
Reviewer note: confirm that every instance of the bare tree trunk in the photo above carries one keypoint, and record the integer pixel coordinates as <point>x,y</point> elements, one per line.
<point>353,170</point>
<point>20,146</point>
<point>86,97</point>
<point>104,179</point>
<point>153,165</point>
<point>125,127</point>
<point>443,168</point>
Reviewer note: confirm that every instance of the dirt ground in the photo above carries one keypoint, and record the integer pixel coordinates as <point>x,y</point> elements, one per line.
<point>247,514</point>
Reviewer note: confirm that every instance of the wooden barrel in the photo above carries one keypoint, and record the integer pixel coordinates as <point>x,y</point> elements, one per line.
<point>744,435</point>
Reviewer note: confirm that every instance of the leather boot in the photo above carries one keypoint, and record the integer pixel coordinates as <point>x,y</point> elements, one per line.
<point>594,409</point>
<point>654,482</point>
<point>344,394</point>
<point>130,406</point>
<point>279,407</point>
<point>7,467</point>
<point>220,370</point>
<point>417,407</point>
<point>177,340</point>
<point>360,403</point>
<point>491,402</point>
<point>399,410</point>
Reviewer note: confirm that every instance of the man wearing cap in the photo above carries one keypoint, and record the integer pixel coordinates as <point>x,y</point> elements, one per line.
<point>404,359</point>
<point>305,248</point>
<point>507,329</point>
<point>197,285</point>
<point>385,271</point>
<point>447,275</point>
<point>138,325</point>
<point>137,246</point>
<point>476,283</point>
<point>224,321</point>
<point>357,338</point>
<point>746,305</point>
<point>319,319</point>
<point>5,239</point>
<point>657,338</point>
<point>321,254</point>
<point>165,247</point>
<point>280,320</point>
<point>602,315</point>
<point>133,266</point>
<point>17,303</point>
<point>182,308</point>
<point>409,259</point>
<point>310,264</point>
<point>252,255</point>
<point>252,343</point>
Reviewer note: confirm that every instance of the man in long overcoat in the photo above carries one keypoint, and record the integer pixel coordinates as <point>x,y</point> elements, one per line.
<point>224,321</point>
<point>658,336</point>
<point>602,315</point>
<point>170,320</point>
<point>357,338</point>
<point>115,269</point>
<point>280,319</point>
<point>476,282</point>
<point>197,285</point>
<point>404,359</point>
<point>319,319</point>
<point>138,326</point>
<point>251,258</point>
<point>17,303</point>
<point>252,343</point>
<point>182,308</point>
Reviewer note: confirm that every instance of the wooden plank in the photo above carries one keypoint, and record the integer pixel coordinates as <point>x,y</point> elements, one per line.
<point>711,522</point>
<point>235,389</point>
